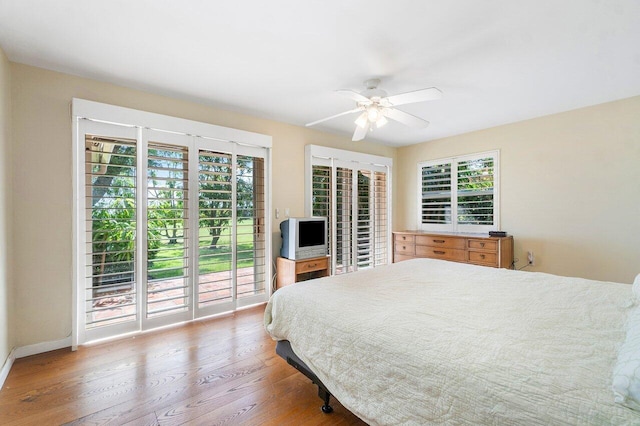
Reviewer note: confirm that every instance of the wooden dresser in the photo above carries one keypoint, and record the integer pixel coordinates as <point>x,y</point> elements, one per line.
<point>478,249</point>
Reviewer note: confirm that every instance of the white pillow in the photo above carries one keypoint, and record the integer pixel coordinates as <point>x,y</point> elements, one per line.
<point>626,372</point>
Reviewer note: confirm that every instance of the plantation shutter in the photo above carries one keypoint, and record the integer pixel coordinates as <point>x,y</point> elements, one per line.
<point>110,231</point>
<point>251,236</point>
<point>381,219</point>
<point>354,197</point>
<point>460,194</point>
<point>107,266</point>
<point>436,194</point>
<point>232,237</point>
<point>475,191</point>
<point>215,260</point>
<point>167,229</point>
<point>343,221</point>
<point>321,200</point>
<point>365,220</point>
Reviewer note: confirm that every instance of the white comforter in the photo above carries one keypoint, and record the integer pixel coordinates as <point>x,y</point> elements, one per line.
<point>434,342</point>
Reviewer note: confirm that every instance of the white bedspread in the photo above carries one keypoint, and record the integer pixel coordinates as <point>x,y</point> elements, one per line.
<point>434,342</point>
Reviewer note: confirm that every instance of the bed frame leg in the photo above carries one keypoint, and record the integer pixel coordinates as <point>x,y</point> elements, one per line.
<point>325,396</point>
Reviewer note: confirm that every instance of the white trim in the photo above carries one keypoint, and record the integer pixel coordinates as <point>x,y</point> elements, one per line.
<point>341,154</point>
<point>38,348</point>
<point>268,245</point>
<point>334,214</point>
<point>131,117</point>
<point>6,367</point>
<point>76,232</point>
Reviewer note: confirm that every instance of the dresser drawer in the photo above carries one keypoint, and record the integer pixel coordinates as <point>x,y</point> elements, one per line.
<point>487,245</point>
<point>402,238</point>
<point>405,248</point>
<point>312,265</point>
<point>441,253</point>
<point>444,242</point>
<point>483,258</point>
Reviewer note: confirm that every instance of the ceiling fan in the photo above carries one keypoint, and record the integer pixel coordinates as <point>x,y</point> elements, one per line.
<point>375,106</point>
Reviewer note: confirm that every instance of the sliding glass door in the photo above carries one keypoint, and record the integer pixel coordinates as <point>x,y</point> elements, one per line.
<point>354,196</point>
<point>173,229</point>
<point>231,259</point>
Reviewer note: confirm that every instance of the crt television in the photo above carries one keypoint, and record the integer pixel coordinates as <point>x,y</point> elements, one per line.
<point>304,237</point>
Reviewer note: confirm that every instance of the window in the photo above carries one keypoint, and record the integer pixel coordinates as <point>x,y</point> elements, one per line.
<point>352,190</point>
<point>459,194</point>
<point>169,226</point>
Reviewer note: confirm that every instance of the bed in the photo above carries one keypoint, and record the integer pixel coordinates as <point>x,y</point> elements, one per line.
<point>434,342</point>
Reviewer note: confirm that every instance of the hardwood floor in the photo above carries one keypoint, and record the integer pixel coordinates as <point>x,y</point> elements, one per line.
<point>209,372</point>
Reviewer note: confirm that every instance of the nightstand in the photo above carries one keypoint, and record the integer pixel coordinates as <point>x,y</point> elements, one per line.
<point>292,271</point>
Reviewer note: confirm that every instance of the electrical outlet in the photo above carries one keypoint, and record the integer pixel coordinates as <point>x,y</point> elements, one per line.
<point>530,257</point>
<point>286,213</point>
<point>277,213</point>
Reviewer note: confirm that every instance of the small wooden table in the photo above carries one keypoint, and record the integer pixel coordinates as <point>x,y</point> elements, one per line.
<point>292,271</point>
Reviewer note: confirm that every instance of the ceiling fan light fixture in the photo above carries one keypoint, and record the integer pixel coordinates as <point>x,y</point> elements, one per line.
<point>362,120</point>
<point>381,121</point>
<point>373,113</point>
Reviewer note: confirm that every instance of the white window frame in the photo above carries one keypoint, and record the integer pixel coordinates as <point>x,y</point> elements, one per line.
<point>333,157</point>
<point>141,122</point>
<point>454,226</point>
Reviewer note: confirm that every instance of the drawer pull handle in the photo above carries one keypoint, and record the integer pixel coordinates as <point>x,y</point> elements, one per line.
<point>482,256</point>
<point>438,241</point>
<point>481,244</point>
<point>439,252</point>
<point>311,265</point>
<point>404,238</point>
<point>404,247</point>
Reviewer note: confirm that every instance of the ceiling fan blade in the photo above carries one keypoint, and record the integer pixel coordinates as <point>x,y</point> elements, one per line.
<point>404,118</point>
<point>360,132</point>
<point>354,95</point>
<point>421,95</point>
<point>313,123</point>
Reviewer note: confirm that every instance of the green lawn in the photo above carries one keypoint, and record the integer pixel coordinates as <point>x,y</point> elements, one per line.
<point>221,261</point>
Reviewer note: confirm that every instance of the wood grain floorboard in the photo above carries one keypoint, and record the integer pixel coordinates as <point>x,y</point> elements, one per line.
<point>217,371</point>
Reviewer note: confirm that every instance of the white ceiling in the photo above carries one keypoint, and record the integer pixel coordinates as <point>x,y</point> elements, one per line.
<point>495,61</point>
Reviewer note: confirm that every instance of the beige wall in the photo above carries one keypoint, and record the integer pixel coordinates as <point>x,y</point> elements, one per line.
<point>570,187</point>
<point>43,192</point>
<point>5,207</point>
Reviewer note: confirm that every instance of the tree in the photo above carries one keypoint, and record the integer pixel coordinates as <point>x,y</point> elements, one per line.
<point>166,193</point>
<point>475,191</point>
<point>113,216</point>
<point>215,199</point>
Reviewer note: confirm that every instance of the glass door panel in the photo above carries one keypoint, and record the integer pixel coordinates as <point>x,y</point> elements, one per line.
<point>364,234</point>
<point>215,210</point>
<point>107,292</point>
<point>167,229</point>
<point>344,221</point>
<point>250,235</point>
<point>381,218</point>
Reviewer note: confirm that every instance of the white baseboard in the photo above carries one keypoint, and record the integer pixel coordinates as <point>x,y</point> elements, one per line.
<point>8,363</point>
<point>29,350</point>
<point>39,348</point>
